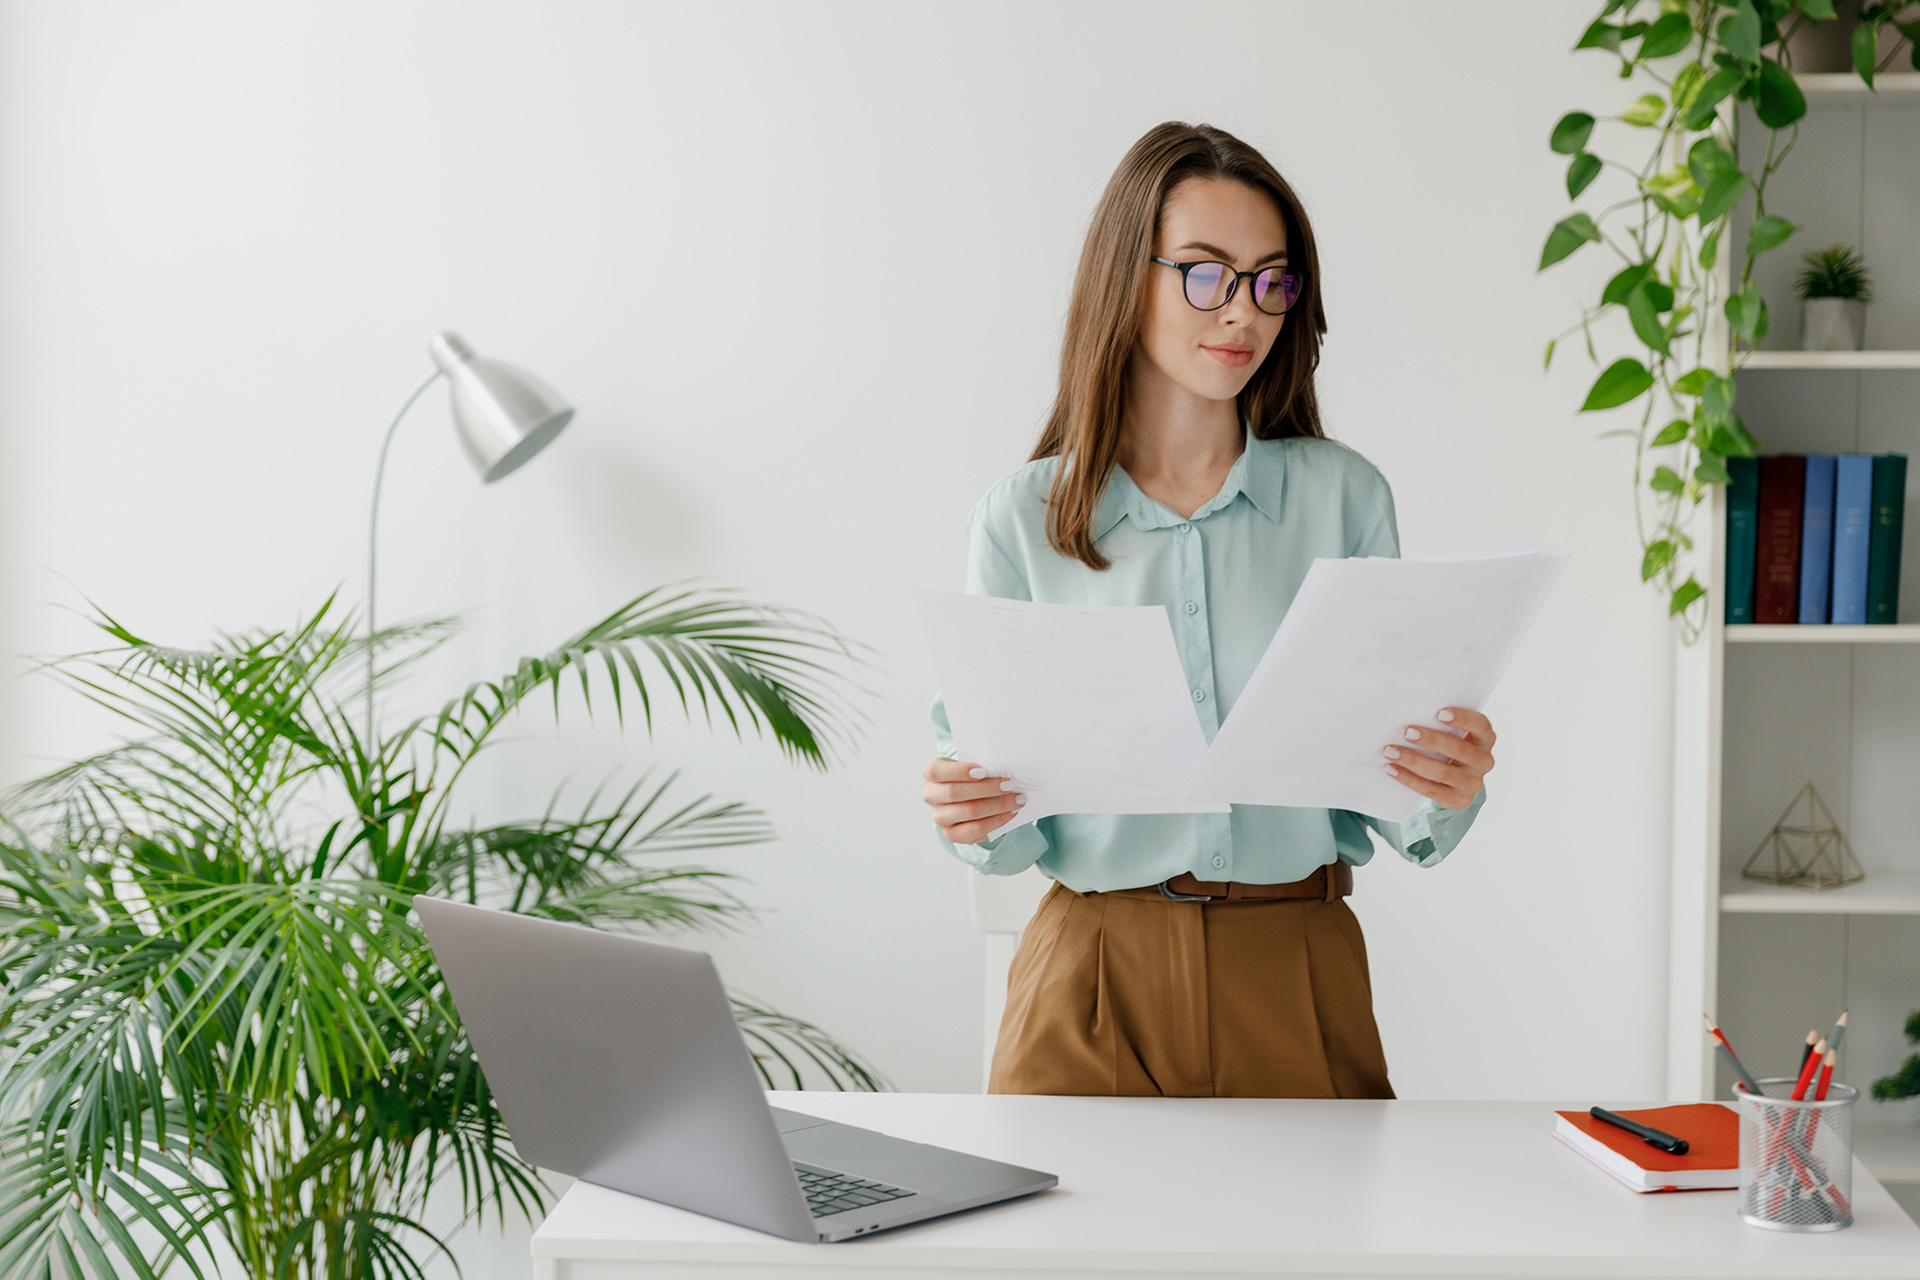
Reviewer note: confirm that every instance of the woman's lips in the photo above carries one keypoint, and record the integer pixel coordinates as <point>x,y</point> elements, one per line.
<point>1233,357</point>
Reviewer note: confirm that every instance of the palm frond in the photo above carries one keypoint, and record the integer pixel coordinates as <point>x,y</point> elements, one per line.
<point>758,666</point>
<point>362,1242</point>
<point>595,866</point>
<point>223,730</point>
<point>321,967</point>
<point>436,1115</point>
<point>136,786</point>
<point>82,1012</point>
<point>49,1218</point>
<point>671,898</point>
<point>788,1050</point>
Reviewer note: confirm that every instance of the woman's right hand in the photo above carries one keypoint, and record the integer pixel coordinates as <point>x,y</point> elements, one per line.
<point>967,801</point>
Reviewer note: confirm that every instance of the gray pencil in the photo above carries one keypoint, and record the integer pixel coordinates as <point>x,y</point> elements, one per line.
<point>1726,1051</point>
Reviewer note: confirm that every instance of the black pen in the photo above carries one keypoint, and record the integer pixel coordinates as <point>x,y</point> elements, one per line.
<point>1665,1141</point>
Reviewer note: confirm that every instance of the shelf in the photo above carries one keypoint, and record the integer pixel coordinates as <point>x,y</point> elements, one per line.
<point>1882,893</point>
<point>1750,721</point>
<point>1821,633</point>
<point>1832,359</point>
<point>1891,1151</point>
<point>1844,88</point>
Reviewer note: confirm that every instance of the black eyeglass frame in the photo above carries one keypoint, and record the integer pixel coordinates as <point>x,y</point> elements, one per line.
<point>1233,286</point>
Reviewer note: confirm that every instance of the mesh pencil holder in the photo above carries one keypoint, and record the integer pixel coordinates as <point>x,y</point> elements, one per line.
<point>1796,1158</point>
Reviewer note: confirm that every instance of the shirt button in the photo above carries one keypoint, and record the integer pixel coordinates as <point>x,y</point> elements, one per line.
<point>1186,528</point>
<point>1199,695</point>
<point>1219,861</point>
<point>1192,607</point>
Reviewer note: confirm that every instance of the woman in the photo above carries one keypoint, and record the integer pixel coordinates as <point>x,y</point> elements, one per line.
<point>1183,465</point>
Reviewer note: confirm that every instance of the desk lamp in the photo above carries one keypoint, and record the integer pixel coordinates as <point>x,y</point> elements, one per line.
<point>503,416</point>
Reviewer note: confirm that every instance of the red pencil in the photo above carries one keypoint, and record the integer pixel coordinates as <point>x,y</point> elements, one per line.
<point>1781,1137</point>
<point>1802,1165</point>
<point>1807,1070</point>
<point>1820,1095</point>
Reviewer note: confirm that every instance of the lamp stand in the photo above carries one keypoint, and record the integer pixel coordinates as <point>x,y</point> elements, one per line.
<point>373,541</point>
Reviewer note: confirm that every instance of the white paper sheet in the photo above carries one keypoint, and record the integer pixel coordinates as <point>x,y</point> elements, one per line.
<point>1084,705</point>
<point>1087,707</point>
<point>1368,647</point>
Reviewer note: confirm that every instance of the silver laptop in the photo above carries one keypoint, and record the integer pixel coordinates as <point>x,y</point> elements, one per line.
<point>617,1060</point>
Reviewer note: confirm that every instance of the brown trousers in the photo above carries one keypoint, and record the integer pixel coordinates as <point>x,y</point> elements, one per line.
<point>1129,993</point>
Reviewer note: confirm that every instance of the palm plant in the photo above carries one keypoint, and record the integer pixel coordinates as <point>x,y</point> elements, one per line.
<point>219,1026</point>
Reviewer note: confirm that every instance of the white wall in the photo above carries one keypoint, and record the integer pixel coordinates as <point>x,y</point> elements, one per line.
<point>802,268</point>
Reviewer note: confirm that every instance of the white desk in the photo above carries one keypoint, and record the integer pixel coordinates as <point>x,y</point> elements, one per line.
<point>1205,1186</point>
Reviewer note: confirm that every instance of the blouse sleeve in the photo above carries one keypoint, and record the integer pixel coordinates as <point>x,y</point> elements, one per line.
<point>1430,833</point>
<point>990,572</point>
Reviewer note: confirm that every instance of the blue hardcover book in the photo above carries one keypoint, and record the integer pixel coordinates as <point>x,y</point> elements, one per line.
<point>1816,538</point>
<point>1852,517</point>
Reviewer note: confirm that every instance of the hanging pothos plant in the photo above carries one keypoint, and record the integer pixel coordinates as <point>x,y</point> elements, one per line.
<point>1702,56</point>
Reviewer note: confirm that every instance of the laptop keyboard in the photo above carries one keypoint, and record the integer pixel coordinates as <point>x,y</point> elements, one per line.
<point>829,1192</point>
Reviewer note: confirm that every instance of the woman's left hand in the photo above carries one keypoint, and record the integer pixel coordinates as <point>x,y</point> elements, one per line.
<point>1451,782</point>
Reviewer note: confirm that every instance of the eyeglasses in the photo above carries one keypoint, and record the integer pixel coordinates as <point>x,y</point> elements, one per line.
<point>1210,286</point>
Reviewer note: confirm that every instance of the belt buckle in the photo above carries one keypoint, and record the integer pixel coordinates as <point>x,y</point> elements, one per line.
<point>1171,896</point>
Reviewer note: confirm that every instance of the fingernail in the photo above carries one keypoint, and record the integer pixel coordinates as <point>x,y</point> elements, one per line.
<point>1019,800</point>
<point>976,773</point>
<point>1393,753</point>
<point>1444,715</point>
<point>1395,772</point>
<point>1009,786</point>
<point>1413,735</point>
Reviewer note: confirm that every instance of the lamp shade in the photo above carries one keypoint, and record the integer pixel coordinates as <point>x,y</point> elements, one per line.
<point>504,415</point>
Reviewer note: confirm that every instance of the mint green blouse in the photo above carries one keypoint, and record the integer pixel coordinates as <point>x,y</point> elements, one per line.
<point>1225,577</point>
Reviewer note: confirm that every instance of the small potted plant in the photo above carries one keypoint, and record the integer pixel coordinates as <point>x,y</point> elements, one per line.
<point>1834,290</point>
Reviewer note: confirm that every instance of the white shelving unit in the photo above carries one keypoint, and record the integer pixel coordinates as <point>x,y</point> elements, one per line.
<point>1843,89</point>
<point>1760,710</point>
<point>1763,633</point>
<point>1833,360</point>
<point>1887,893</point>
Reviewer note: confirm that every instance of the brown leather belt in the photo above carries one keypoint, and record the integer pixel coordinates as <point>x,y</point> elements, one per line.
<point>1320,885</point>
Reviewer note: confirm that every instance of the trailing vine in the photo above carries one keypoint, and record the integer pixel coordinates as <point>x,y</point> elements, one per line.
<point>1703,56</point>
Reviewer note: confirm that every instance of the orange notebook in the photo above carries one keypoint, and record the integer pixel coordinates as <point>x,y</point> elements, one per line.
<point>1712,1132</point>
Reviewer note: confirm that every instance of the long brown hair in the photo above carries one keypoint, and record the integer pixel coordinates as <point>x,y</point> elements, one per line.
<point>1103,321</point>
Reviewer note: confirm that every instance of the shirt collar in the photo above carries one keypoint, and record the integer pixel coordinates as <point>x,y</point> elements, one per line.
<point>1258,472</point>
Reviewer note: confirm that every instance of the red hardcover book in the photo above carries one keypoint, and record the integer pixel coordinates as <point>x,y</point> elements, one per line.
<point>1783,499</point>
<point>1712,1132</point>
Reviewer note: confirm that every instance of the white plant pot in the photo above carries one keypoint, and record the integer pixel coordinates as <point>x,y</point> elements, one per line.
<point>1831,324</point>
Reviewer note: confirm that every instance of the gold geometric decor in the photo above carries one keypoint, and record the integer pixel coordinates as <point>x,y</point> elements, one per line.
<point>1818,858</point>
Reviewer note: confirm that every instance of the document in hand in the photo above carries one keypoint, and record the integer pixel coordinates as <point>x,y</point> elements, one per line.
<point>1083,704</point>
<point>1367,648</point>
<point>1086,705</point>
